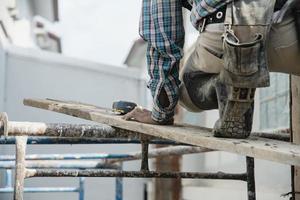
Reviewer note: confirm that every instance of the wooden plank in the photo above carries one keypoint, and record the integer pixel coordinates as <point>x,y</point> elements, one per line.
<point>267,149</point>
<point>295,127</point>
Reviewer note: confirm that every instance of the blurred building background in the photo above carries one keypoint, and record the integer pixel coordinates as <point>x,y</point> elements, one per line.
<point>90,51</point>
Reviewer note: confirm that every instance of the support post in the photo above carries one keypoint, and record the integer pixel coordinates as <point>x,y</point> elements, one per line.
<point>250,178</point>
<point>145,147</point>
<point>119,186</point>
<point>20,172</point>
<point>295,131</point>
<point>167,189</point>
<point>81,188</point>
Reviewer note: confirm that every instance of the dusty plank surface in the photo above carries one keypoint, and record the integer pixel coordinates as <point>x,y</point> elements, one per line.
<point>267,149</point>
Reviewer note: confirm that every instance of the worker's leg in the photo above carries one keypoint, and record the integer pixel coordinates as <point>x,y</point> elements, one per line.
<point>283,48</point>
<point>207,58</point>
<point>283,54</point>
<point>200,69</point>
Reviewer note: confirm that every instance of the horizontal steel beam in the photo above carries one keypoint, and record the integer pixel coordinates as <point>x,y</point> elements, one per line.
<point>61,165</point>
<point>95,131</point>
<point>87,156</point>
<point>32,140</point>
<point>40,189</point>
<point>65,130</point>
<point>132,174</point>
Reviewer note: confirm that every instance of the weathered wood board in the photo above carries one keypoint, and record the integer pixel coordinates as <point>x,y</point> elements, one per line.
<point>267,149</point>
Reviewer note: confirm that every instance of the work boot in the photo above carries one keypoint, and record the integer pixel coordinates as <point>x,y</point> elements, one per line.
<point>236,107</point>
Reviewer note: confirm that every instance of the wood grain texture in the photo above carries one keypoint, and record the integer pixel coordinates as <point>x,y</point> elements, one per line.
<point>267,149</point>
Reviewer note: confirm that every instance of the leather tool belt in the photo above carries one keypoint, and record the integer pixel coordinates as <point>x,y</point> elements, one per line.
<point>219,15</point>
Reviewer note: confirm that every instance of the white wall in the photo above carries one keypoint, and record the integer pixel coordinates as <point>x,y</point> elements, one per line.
<point>39,74</point>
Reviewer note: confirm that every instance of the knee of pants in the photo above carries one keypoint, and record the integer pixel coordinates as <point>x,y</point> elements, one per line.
<point>185,100</point>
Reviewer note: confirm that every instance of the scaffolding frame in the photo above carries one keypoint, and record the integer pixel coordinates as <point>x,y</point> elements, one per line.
<point>30,166</point>
<point>22,172</point>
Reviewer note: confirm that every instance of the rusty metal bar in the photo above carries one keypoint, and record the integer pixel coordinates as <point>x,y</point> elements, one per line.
<point>42,189</point>
<point>250,178</point>
<point>32,140</point>
<point>65,130</point>
<point>81,156</point>
<point>51,164</point>
<point>133,174</point>
<point>20,167</point>
<point>119,186</point>
<point>144,156</point>
<point>96,131</point>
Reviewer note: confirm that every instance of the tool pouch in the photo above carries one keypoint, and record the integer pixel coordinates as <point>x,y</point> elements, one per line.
<point>247,25</point>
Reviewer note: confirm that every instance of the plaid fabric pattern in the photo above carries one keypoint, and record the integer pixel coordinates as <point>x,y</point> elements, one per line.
<point>161,25</point>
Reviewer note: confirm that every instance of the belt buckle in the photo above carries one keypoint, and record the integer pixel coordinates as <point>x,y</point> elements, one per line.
<point>203,25</point>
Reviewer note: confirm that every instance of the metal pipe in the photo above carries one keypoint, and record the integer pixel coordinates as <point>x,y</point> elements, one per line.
<point>62,140</point>
<point>119,186</point>
<point>250,178</point>
<point>166,151</point>
<point>61,165</point>
<point>40,189</point>
<point>89,156</point>
<point>65,130</point>
<point>144,154</point>
<point>95,131</point>
<point>20,172</point>
<point>132,174</point>
<point>81,188</point>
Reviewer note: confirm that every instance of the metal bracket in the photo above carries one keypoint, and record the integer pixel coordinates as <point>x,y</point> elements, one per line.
<point>4,121</point>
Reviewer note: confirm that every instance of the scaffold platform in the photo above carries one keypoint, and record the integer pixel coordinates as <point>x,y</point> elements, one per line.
<point>257,147</point>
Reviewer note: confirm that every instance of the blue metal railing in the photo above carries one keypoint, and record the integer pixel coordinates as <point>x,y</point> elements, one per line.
<point>8,188</point>
<point>5,163</point>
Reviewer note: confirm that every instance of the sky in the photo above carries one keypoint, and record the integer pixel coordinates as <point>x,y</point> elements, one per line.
<point>98,30</point>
